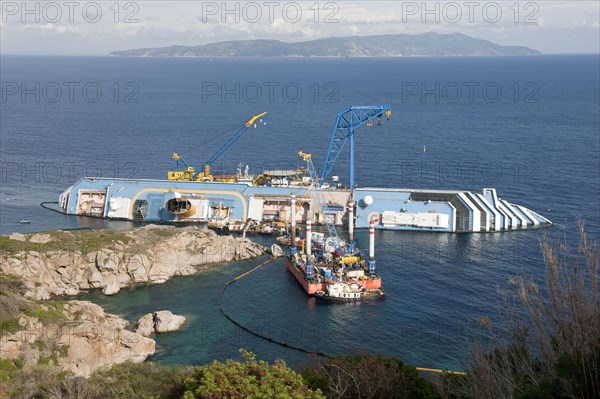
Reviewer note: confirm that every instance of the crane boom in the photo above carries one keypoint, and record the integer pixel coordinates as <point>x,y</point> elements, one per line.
<point>189,173</point>
<point>178,158</point>
<point>329,223</point>
<point>234,137</point>
<point>186,174</point>
<point>347,121</point>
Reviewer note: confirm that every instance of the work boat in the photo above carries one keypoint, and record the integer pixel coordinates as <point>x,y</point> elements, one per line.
<point>331,270</point>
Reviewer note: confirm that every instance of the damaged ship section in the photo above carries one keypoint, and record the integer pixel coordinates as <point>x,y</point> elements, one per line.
<point>391,209</point>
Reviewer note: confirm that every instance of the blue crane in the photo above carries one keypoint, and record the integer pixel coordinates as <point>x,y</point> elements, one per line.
<point>347,122</point>
<point>217,154</point>
<point>329,223</point>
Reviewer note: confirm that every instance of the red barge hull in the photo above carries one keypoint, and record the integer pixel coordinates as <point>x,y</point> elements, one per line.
<point>312,288</point>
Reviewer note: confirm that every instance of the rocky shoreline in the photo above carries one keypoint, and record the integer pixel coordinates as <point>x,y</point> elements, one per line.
<point>83,340</point>
<point>81,337</point>
<point>61,263</point>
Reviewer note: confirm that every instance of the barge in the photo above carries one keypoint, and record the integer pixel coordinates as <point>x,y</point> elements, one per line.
<point>334,271</point>
<point>322,287</point>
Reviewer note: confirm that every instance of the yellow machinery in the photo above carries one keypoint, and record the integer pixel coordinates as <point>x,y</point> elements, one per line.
<point>189,173</point>
<point>349,260</point>
<point>186,174</point>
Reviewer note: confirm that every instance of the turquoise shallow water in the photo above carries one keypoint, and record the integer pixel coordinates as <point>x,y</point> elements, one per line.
<point>542,154</point>
<point>429,317</point>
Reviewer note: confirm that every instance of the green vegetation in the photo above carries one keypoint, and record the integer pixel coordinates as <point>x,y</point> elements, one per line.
<point>85,241</point>
<point>36,382</point>
<point>47,311</point>
<point>92,240</point>
<point>247,379</point>
<point>376,377</point>
<point>136,381</point>
<point>369,377</point>
<point>13,246</point>
<point>232,379</point>
<point>62,350</point>
<point>8,368</point>
<point>554,351</point>
<point>9,325</point>
<point>46,360</point>
<point>13,305</point>
<point>163,232</point>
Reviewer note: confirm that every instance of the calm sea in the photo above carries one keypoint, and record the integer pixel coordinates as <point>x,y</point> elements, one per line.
<point>528,126</point>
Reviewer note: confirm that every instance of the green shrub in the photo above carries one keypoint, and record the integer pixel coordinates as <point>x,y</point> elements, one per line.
<point>554,350</point>
<point>39,382</point>
<point>47,311</point>
<point>163,233</point>
<point>12,304</point>
<point>369,377</point>
<point>135,381</point>
<point>248,379</point>
<point>7,369</point>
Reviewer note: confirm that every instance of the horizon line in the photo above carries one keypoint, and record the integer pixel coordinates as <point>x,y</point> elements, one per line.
<point>283,56</point>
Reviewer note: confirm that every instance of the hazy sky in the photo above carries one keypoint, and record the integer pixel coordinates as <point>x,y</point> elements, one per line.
<point>97,28</point>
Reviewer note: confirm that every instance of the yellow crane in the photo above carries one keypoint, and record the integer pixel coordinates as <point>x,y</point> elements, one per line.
<point>189,173</point>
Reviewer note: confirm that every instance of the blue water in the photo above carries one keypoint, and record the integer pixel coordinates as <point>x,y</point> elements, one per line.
<point>537,142</point>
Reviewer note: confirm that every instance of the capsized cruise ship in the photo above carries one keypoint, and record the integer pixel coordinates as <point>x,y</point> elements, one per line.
<point>188,195</point>
<point>158,201</point>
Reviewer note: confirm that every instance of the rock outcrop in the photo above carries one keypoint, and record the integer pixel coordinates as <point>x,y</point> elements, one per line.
<point>161,321</point>
<point>66,263</point>
<point>165,321</point>
<point>145,325</point>
<point>82,340</point>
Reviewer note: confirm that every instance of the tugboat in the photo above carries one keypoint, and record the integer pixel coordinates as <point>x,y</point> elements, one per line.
<point>335,272</point>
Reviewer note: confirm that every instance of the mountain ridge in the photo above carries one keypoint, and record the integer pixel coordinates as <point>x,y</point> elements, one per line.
<point>391,45</point>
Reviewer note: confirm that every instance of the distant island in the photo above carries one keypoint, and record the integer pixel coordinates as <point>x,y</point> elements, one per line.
<point>397,45</point>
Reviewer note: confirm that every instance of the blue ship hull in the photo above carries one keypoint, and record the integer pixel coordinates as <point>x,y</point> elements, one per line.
<point>393,209</point>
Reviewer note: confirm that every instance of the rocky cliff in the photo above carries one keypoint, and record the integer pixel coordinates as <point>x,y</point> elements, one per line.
<point>66,262</point>
<point>80,338</point>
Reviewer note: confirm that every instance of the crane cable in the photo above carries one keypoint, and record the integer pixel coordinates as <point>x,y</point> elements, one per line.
<point>256,333</point>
